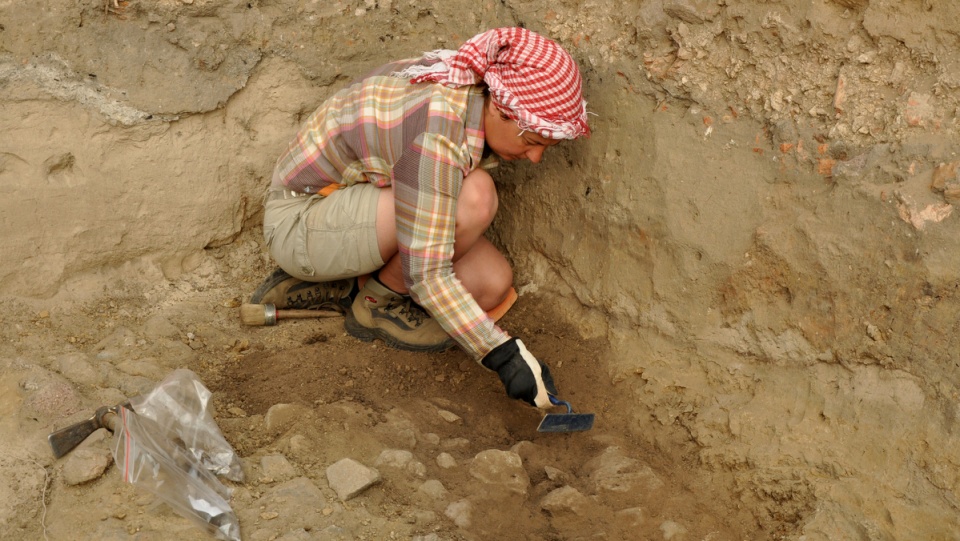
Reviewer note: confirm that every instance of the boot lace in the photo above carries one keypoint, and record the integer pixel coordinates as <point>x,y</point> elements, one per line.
<point>409,311</point>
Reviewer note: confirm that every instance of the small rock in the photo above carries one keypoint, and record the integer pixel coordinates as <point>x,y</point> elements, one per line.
<point>86,464</point>
<point>348,478</point>
<point>554,474</point>
<point>691,11</point>
<point>459,513</point>
<point>431,438</point>
<point>632,516</point>
<point>672,531</point>
<point>400,459</point>
<point>236,412</point>
<point>502,468</point>
<point>434,489</point>
<point>449,416</point>
<point>446,461</point>
<point>299,444</point>
<point>277,467</point>
<point>455,443</point>
<point>565,500</point>
<point>944,174</point>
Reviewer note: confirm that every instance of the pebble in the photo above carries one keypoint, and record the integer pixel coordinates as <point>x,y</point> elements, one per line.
<point>672,531</point>
<point>301,445</point>
<point>455,443</point>
<point>348,478</point>
<point>459,513</point>
<point>501,468</point>
<point>431,438</point>
<point>554,474</point>
<point>434,489</point>
<point>632,516</point>
<point>449,416</point>
<point>402,460</point>
<point>446,461</point>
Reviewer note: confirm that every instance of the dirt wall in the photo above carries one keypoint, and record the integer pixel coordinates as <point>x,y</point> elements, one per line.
<point>761,225</point>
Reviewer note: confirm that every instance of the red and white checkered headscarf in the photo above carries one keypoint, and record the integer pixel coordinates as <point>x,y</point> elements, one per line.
<point>531,79</point>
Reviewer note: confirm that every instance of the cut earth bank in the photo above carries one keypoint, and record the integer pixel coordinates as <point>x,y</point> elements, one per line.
<point>749,273</point>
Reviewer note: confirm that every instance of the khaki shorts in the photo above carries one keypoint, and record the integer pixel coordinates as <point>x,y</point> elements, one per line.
<point>318,238</point>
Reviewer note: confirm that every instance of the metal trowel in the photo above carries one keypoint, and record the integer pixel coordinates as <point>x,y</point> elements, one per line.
<point>565,422</point>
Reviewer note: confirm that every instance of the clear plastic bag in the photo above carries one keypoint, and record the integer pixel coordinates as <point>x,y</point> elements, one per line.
<point>180,406</point>
<point>169,445</point>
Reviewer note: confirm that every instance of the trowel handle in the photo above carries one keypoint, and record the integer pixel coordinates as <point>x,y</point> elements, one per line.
<point>557,402</point>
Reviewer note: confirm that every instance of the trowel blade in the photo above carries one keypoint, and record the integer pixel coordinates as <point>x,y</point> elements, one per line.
<point>566,422</point>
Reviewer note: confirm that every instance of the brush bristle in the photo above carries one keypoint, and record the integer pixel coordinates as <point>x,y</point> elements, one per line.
<point>253,314</point>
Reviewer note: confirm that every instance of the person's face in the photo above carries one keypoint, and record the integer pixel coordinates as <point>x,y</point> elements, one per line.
<point>507,140</point>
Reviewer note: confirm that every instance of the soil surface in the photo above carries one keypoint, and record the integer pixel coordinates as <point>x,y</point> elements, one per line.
<point>748,273</point>
<point>306,391</point>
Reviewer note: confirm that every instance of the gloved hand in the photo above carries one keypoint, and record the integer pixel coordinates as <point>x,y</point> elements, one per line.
<point>523,376</point>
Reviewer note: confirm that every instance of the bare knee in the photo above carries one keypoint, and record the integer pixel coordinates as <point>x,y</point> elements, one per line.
<point>478,201</point>
<point>485,273</point>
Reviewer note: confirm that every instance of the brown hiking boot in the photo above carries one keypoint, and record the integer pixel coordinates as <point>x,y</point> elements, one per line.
<point>378,312</point>
<point>284,291</point>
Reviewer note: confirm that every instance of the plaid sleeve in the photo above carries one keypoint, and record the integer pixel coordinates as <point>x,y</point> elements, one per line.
<point>427,183</point>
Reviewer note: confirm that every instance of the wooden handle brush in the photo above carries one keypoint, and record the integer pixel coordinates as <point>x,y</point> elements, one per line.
<point>259,315</point>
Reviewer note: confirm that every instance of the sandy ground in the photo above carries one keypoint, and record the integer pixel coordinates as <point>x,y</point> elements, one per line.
<point>748,272</point>
<point>338,398</point>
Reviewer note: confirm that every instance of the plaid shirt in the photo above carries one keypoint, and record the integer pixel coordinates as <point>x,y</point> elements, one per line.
<point>422,139</point>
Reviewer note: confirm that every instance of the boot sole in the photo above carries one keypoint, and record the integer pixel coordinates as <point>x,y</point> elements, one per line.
<point>365,334</point>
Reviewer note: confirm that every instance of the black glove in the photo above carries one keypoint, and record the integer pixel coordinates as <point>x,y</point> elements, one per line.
<point>523,376</point>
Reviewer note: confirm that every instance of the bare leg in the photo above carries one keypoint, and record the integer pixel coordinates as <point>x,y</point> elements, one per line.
<point>482,269</point>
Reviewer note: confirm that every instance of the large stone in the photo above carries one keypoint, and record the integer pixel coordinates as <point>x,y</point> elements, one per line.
<point>614,471</point>
<point>501,468</point>
<point>348,478</point>
<point>86,464</point>
<point>296,504</point>
<point>565,500</point>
